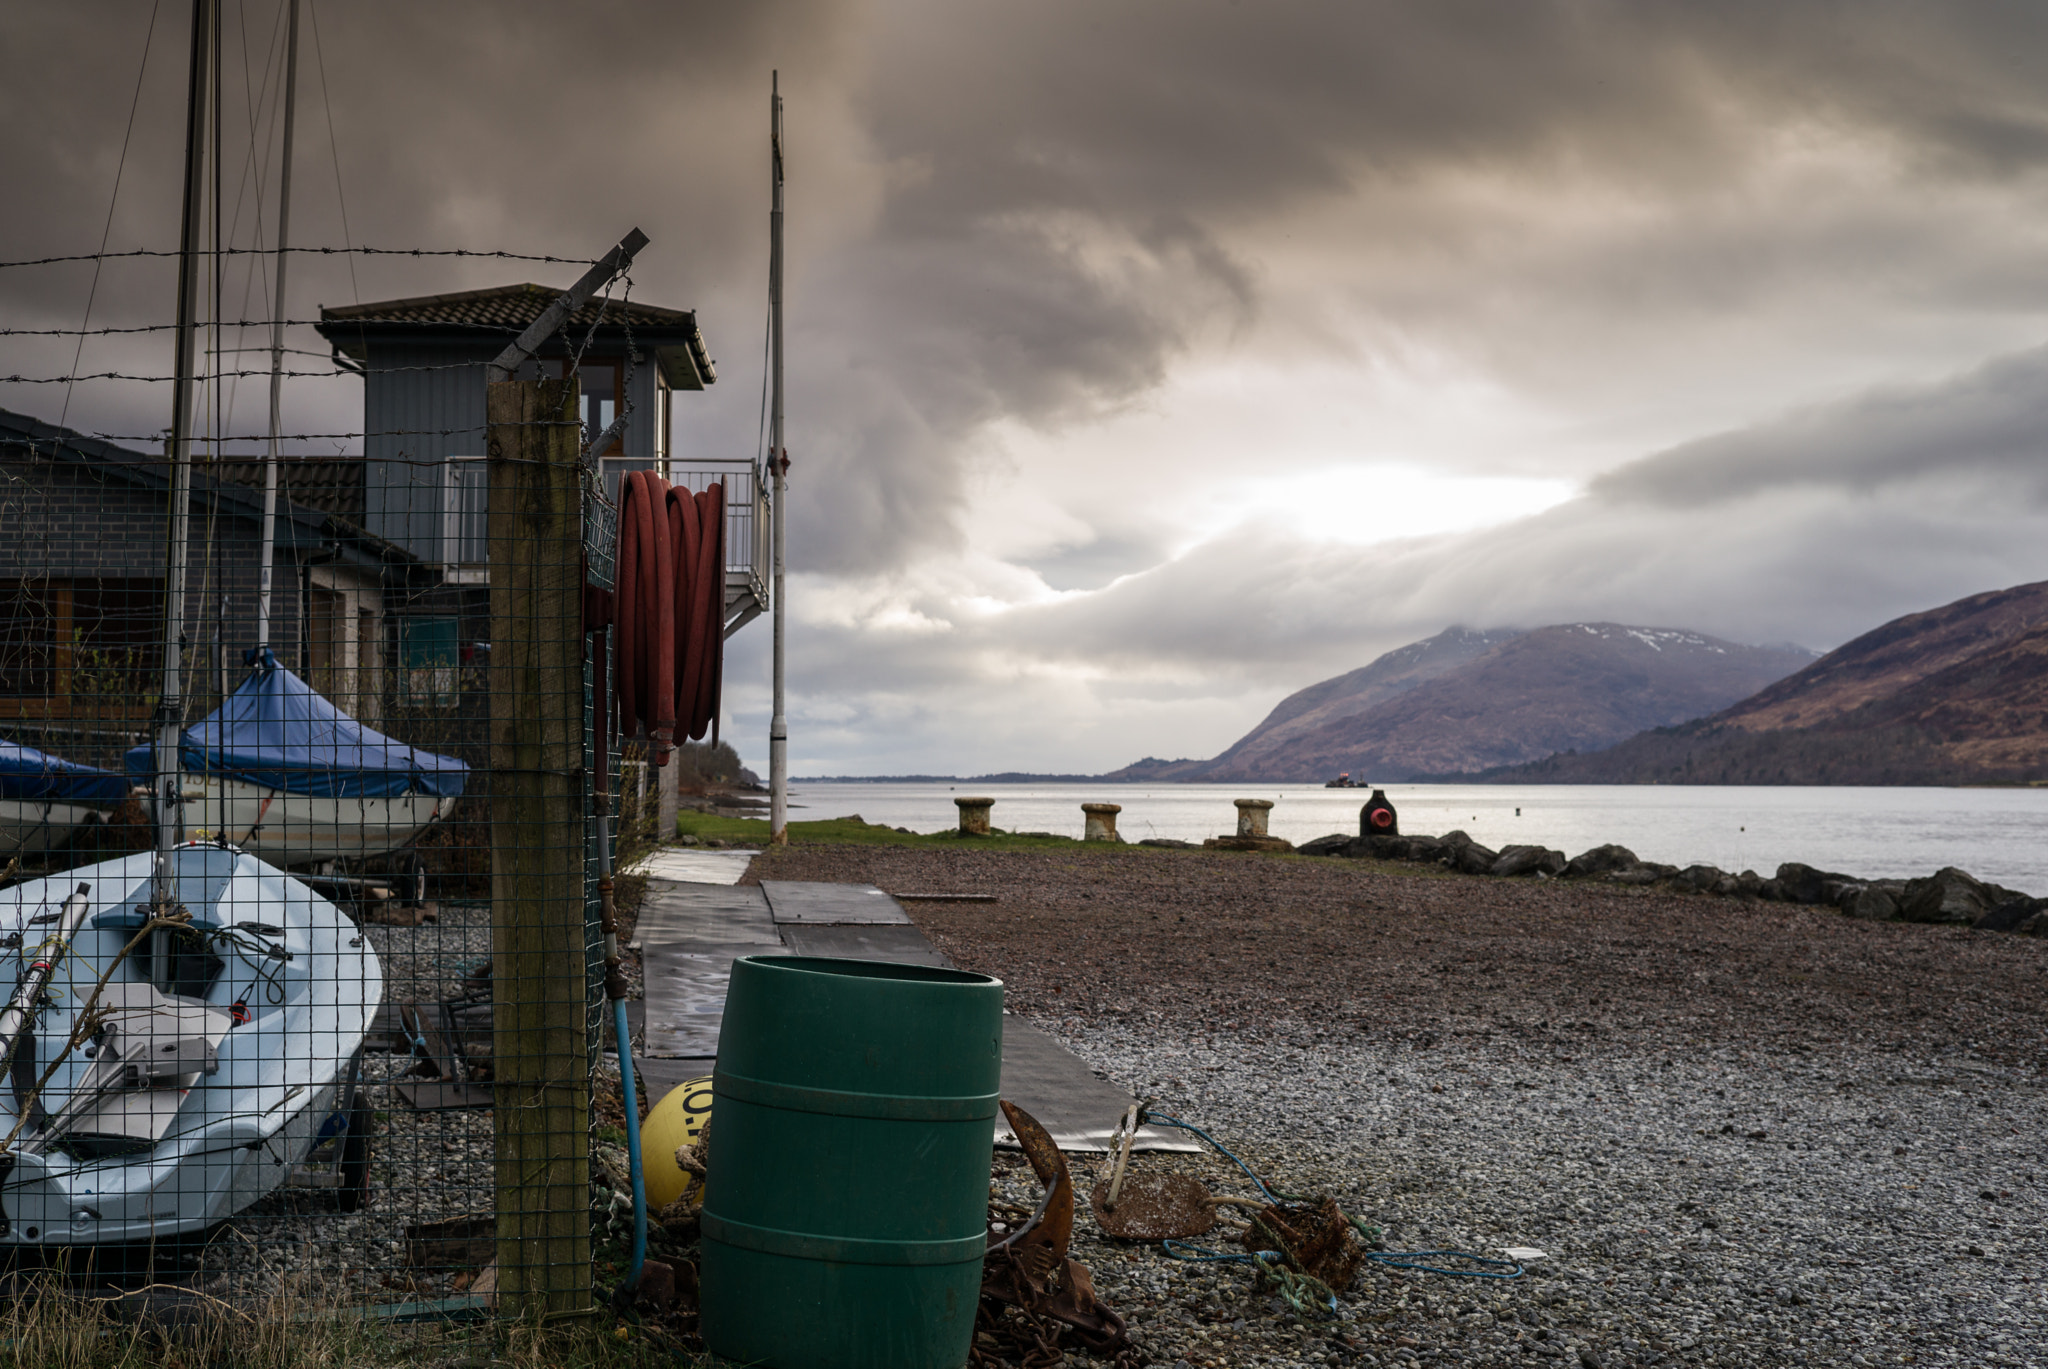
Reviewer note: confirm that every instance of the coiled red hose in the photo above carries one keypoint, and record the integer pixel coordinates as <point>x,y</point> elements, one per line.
<point>669,608</point>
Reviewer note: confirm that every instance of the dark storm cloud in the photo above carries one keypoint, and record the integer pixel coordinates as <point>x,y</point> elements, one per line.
<point>1003,211</point>
<point>1031,214</point>
<point>1088,190</point>
<point>1985,431</point>
<point>1809,528</point>
<point>533,128</point>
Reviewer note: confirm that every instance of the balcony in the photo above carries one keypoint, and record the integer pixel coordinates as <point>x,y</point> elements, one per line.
<point>466,525</point>
<point>746,532</point>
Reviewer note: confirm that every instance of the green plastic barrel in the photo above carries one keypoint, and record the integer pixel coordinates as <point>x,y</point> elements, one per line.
<point>845,1218</point>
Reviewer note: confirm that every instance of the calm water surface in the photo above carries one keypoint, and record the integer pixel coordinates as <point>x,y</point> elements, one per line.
<point>1996,834</point>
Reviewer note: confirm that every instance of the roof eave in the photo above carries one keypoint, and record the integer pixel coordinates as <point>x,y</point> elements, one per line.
<point>366,548</point>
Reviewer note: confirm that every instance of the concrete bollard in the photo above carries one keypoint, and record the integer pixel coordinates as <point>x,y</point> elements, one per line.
<point>974,816</point>
<point>1251,816</point>
<point>1099,821</point>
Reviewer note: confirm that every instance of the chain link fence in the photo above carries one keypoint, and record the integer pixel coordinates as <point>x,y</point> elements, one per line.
<point>340,1042</point>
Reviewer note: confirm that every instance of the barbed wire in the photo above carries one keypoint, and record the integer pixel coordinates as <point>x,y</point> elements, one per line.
<point>214,375</point>
<point>510,330</point>
<point>8,439</point>
<point>250,323</point>
<point>312,251</point>
<point>235,375</point>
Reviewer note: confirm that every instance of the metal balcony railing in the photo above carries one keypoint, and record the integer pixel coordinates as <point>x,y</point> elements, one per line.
<point>746,532</point>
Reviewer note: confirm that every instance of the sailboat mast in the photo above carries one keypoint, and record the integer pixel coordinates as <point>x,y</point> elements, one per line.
<point>778,462</point>
<point>284,225</point>
<point>170,704</point>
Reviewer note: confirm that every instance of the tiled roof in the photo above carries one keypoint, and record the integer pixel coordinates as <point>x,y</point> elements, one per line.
<point>331,484</point>
<point>236,484</point>
<point>503,306</point>
<point>507,310</point>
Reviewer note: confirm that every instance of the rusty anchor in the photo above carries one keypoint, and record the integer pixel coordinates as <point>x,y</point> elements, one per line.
<point>1030,1270</point>
<point>1168,1207</point>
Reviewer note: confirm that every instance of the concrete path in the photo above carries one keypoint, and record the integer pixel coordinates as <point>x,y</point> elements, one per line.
<point>902,945</point>
<point>838,905</point>
<point>697,867</point>
<point>691,931</point>
<point>674,912</point>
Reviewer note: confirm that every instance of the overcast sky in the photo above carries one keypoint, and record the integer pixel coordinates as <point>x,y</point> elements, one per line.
<point>1149,361</point>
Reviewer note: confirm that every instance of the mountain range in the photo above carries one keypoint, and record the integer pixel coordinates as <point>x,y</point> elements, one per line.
<point>1953,695</point>
<point>1466,701</point>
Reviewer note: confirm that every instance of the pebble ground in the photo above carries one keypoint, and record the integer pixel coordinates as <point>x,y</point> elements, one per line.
<point>1744,1134</point>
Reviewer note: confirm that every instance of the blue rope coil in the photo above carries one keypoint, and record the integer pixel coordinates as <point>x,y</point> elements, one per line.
<point>1204,1255</point>
<point>1224,1151</point>
<point>1406,1259</point>
<point>1300,1290</point>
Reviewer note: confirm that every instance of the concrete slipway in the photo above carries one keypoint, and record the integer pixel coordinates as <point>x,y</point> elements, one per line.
<point>697,919</point>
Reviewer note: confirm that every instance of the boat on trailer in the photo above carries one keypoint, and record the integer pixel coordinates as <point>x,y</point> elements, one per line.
<point>44,799</point>
<point>186,1025</point>
<point>172,1070</point>
<point>279,771</point>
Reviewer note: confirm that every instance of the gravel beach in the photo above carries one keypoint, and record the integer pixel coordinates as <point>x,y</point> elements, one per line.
<point>1744,1133</point>
<point>425,1166</point>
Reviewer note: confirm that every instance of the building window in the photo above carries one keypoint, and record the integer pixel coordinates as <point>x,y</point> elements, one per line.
<point>80,645</point>
<point>601,399</point>
<point>466,512</point>
<point>429,656</point>
<point>326,640</point>
<point>369,678</point>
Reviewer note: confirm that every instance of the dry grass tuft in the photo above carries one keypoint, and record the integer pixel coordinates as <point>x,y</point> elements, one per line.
<point>48,1325</point>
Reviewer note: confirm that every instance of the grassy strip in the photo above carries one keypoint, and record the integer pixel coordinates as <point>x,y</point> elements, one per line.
<point>50,1327</point>
<point>854,832</point>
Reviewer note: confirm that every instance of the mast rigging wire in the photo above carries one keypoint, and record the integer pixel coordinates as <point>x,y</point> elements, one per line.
<point>99,259</point>
<point>333,148</point>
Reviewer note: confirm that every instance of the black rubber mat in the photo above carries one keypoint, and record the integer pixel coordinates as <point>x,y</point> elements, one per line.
<point>691,934</point>
<point>840,904</point>
<point>724,914</point>
<point>902,945</point>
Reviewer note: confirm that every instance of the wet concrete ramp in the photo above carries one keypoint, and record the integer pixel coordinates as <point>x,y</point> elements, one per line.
<point>690,933</point>
<point>843,905</point>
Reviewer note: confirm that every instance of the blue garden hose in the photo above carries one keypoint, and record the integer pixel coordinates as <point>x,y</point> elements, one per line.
<point>623,1035</point>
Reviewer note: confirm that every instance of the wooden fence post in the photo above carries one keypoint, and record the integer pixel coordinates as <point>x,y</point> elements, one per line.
<point>540,1055</point>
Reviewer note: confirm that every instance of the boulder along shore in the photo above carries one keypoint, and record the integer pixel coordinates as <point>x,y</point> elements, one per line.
<point>1949,895</point>
<point>1745,1131</point>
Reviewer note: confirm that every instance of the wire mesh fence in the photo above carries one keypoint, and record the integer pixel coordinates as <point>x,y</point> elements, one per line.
<point>308,746</point>
<point>345,1038</point>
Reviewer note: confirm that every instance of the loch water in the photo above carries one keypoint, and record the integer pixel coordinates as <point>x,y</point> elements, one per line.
<point>2000,835</point>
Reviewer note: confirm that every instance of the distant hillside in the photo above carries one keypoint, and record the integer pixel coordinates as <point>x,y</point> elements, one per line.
<point>1955,695</point>
<point>1578,685</point>
<point>1465,701</point>
<point>1344,696</point>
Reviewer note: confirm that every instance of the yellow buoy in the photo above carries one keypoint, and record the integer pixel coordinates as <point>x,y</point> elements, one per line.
<point>676,1121</point>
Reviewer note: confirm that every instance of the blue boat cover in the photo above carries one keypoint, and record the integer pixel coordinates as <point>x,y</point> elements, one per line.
<point>277,731</point>
<point>26,773</point>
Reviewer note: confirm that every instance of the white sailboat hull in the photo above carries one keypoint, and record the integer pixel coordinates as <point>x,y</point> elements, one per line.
<point>29,827</point>
<point>234,1135</point>
<point>302,829</point>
